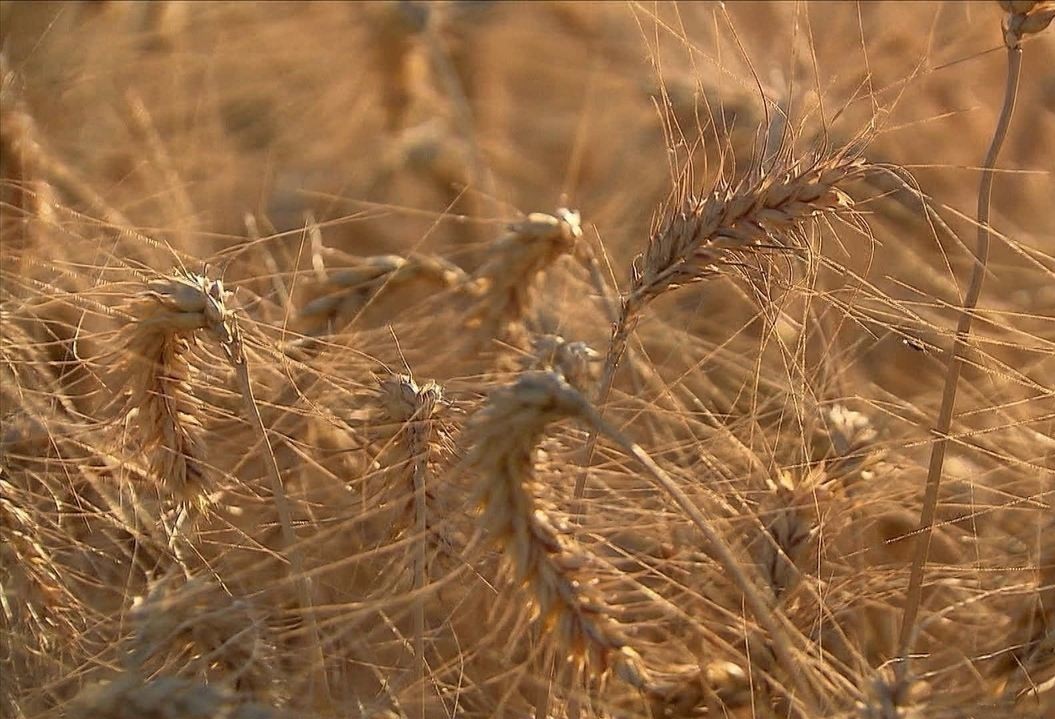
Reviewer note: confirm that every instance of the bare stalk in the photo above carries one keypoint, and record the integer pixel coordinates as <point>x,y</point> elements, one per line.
<point>1015,26</point>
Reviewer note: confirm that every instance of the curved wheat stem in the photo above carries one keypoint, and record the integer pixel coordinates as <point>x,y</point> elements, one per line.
<point>1023,18</point>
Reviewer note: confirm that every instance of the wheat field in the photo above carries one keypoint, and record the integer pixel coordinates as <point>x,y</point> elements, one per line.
<point>558,359</point>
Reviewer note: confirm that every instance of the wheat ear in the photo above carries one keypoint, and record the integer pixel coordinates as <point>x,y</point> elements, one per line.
<point>507,431</point>
<point>506,280</point>
<point>536,552</point>
<point>166,317</point>
<point>414,407</point>
<point>1023,18</point>
<point>20,146</point>
<point>698,235</point>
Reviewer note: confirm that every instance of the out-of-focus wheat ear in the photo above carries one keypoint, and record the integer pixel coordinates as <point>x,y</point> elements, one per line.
<point>790,523</point>
<point>574,361</point>
<point>697,235</point>
<point>1023,18</point>
<point>890,695</point>
<point>23,183</point>
<point>505,282</point>
<point>133,696</point>
<point>537,551</point>
<point>413,407</point>
<point>342,295</point>
<point>718,685</point>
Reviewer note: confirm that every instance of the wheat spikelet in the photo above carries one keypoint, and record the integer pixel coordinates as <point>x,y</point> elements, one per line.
<point>506,280</point>
<point>537,551</point>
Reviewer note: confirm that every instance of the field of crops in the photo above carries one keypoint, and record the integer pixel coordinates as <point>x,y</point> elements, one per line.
<point>476,359</point>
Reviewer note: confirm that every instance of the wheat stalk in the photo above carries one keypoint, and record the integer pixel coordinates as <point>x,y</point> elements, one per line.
<point>1024,17</point>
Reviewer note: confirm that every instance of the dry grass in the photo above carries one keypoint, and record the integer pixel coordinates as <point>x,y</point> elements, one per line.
<point>740,436</point>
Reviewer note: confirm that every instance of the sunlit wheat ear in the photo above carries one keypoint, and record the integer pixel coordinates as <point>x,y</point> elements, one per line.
<point>160,408</point>
<point>698,235</point>
<point>574,361</point>
<point>506,280</point>
<point>345,293</point>
<point>538,554</point>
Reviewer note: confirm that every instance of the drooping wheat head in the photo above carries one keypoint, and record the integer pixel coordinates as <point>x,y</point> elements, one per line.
<point>506,281</point>
<point>159,408</point>
<point>538,553</point>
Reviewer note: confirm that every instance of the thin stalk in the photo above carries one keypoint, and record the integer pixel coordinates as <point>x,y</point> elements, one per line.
<point>240,364</point>
<point>420,569</point>
<point>954,362</point>
<point>766,615</point>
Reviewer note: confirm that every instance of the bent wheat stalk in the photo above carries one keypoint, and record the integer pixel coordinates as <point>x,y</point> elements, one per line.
<point>1023,18</point>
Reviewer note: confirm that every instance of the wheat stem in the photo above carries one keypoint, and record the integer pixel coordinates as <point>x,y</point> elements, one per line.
<point>954,360</point>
